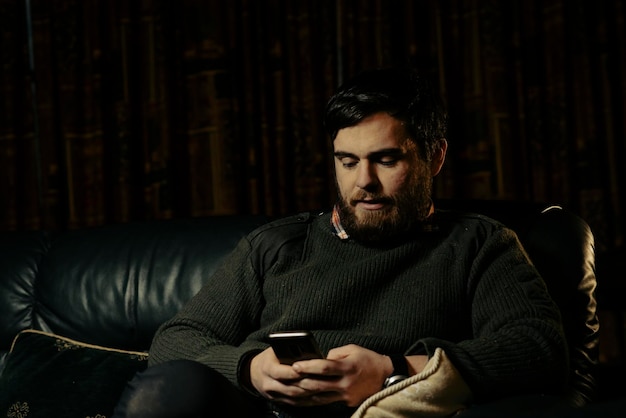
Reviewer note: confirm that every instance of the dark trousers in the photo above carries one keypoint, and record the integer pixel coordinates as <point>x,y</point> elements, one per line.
<point>187,389</point>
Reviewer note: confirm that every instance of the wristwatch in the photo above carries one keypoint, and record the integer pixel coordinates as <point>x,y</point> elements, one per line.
<point>400,370</point>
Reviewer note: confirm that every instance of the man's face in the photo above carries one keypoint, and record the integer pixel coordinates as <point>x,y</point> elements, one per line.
<point>384,187</point>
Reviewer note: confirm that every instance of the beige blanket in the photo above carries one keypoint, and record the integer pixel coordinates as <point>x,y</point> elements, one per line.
<point>438,391</point>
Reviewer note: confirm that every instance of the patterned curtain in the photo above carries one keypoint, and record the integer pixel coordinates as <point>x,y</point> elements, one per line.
<point>113,110</point>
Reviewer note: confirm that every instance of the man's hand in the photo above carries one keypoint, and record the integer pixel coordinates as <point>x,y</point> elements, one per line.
<point>350,374</point>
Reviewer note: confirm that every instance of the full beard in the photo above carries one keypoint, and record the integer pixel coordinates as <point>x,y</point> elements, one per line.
<point>401,214</point>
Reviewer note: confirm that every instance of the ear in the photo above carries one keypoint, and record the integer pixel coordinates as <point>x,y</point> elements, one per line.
<point>438,157</point>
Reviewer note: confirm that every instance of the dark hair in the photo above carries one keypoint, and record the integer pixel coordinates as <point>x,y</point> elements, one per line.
<point>402,93</point>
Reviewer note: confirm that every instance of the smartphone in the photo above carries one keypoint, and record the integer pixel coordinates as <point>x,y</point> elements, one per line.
<point>292,346</point>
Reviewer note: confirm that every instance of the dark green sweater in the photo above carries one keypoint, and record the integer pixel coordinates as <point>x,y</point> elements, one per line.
<point>465,285</point>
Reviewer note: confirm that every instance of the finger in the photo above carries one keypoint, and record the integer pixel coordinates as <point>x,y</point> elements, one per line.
<point>288,390</point>
<point>290,394</point>
<point>284,373</point>
<point>318,368</point>
<point>315,384</point>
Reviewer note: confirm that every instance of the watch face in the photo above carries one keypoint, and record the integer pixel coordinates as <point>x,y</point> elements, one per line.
<point>392,380</point>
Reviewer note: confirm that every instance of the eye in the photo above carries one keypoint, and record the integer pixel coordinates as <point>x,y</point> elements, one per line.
<point>348,162</point>
<point>388,161</point>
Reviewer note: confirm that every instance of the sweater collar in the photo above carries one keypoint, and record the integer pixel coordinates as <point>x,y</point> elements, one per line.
<point>340,232</point>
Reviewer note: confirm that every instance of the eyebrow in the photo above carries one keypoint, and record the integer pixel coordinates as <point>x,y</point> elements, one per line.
<point>396,152</point>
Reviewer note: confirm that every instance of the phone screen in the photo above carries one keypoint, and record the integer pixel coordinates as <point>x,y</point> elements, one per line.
<point>292,346</point>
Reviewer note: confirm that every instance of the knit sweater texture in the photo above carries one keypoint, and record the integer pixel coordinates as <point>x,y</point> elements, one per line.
<point>463,283</point>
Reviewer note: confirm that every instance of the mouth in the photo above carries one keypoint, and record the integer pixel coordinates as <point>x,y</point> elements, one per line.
<point>370,204</point>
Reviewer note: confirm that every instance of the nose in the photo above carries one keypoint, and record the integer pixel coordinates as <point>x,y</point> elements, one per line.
<point>366,176</point>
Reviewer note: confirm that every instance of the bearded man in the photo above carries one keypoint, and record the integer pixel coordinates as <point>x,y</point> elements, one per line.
<point>397,293</point>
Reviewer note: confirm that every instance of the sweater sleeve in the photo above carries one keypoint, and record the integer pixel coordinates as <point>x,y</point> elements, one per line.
<point>212,327</point>
<point>518,344</point>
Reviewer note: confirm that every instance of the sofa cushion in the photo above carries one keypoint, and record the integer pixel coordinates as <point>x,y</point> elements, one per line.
<point>47,375</point>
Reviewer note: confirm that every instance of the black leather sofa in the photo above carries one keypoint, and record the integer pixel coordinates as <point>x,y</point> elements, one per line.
<point>104,291</point>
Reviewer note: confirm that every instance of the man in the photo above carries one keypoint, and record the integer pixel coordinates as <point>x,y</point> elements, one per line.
<point>384,281</point>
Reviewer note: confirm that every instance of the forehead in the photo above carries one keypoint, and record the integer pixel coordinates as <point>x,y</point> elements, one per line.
<point>377,132</point>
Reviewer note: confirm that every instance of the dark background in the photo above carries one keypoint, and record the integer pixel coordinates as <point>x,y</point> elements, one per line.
<point>113,111</point>
<point>156,109</point>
